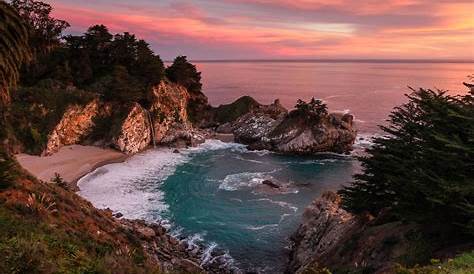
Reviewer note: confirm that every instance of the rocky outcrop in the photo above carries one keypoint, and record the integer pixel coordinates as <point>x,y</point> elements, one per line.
<point>76,123</point>
<point>135,133</point>
<point>128,128</point>
<point>271,127</point>
<point>169,109</point>
<point>172,255</point>
<point>331,237</point>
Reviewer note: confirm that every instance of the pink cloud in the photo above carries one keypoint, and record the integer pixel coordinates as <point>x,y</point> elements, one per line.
<point>185,23</point>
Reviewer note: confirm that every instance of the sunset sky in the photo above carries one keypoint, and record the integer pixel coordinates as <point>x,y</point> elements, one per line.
<point>286,29</point>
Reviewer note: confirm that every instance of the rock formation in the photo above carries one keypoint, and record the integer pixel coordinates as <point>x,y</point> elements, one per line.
<point>135,133</point>
<point>76,123</point>
<point>131,131</point>
<point>331,237</point>
<point>169,108</point>
<point>272,127</point>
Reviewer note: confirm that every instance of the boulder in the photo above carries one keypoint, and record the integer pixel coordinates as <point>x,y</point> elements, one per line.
<point>270,184</point>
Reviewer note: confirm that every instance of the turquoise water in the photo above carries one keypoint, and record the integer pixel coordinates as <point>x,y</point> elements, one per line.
<point>218,195</point>
<point>213,195</point>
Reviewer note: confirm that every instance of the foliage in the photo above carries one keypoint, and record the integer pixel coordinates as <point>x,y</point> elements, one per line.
<point>185,74</point>
<point>461,264</point>
<point>313,110</point>
<point>58,180</point>
<point>424,169</point>
<point>92,61</point>
<point>44,30</point>
<point>230,112</point>
<point>6,176</point>
<point>14,45</point>
<point>35,111</point>
<point>14,50</point>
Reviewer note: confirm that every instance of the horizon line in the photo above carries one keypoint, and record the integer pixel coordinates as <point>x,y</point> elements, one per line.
<point>335,60</point>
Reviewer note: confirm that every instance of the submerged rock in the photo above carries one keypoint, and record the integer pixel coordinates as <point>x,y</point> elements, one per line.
<point>270,184</point>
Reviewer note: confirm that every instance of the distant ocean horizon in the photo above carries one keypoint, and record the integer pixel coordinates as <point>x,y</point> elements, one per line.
<point>369,88</point>
<point>335,60</point>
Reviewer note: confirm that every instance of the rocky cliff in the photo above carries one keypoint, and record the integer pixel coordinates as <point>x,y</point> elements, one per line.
<point>135,132</point>
<point>273,128</point>
<point>76,123</point>
<point>330,237</point>
<point>130,128</point>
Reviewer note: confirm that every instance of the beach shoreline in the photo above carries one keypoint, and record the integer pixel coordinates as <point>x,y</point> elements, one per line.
<point>70,162</point>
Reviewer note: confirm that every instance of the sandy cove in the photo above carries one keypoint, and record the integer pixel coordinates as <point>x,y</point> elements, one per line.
<point>71,162</point>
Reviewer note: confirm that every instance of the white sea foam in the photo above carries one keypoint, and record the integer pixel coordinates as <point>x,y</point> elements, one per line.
<point>236,181</point>
<point>251,227</point>
<point>282,218</point>
<point>213,144</point>
<point>207,254</point>
<point>249,160</point>
<point>280,203</point>
<point>131,187</point>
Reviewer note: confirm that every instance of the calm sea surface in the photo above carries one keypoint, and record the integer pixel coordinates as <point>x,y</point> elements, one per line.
<point>211,195</point>
<point>368,90</point>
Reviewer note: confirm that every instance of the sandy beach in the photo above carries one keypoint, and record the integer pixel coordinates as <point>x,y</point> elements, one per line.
<point>71,162</point>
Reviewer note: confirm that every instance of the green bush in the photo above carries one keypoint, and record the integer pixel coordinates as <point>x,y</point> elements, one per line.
<point>424,168</point>
<point>7,176</point>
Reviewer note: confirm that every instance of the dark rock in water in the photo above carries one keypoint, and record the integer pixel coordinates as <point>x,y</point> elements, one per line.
<point>270,184</point>
<point>118,215</point>
<point>176,151</point>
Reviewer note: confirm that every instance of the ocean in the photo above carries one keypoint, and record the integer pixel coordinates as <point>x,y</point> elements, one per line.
<point>210,195</point>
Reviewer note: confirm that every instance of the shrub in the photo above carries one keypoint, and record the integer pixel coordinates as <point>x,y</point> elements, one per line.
<point>424,169</point>
<point>6,176</point>
<point>185,74</point>
<point>313,110</point>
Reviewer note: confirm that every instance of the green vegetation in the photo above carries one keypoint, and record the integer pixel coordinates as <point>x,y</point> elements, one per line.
<point>423,171</point>
<point>14,50</point>
<point>230,112</point>
<point>185,74</point>
<point>45,228</point>
<point>311,111</point>
<point>462,264</point>
<point>117,68</point>
<point>15,47</point>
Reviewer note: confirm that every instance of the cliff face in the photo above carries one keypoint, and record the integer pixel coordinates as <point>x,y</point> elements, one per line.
<point>168,109</point>
<point>331,237</point>
<point>166,120</point>
<point>135,133</point>
<point>76,123</point>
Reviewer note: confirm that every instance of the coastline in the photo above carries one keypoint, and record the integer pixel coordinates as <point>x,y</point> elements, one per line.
<point>70,162</point>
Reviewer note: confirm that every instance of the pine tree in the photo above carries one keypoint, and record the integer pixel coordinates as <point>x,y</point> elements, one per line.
<point>423,170</point>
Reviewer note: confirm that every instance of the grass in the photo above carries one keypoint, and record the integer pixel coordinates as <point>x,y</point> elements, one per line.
<point>47,229</point>
<point>462,264</point>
